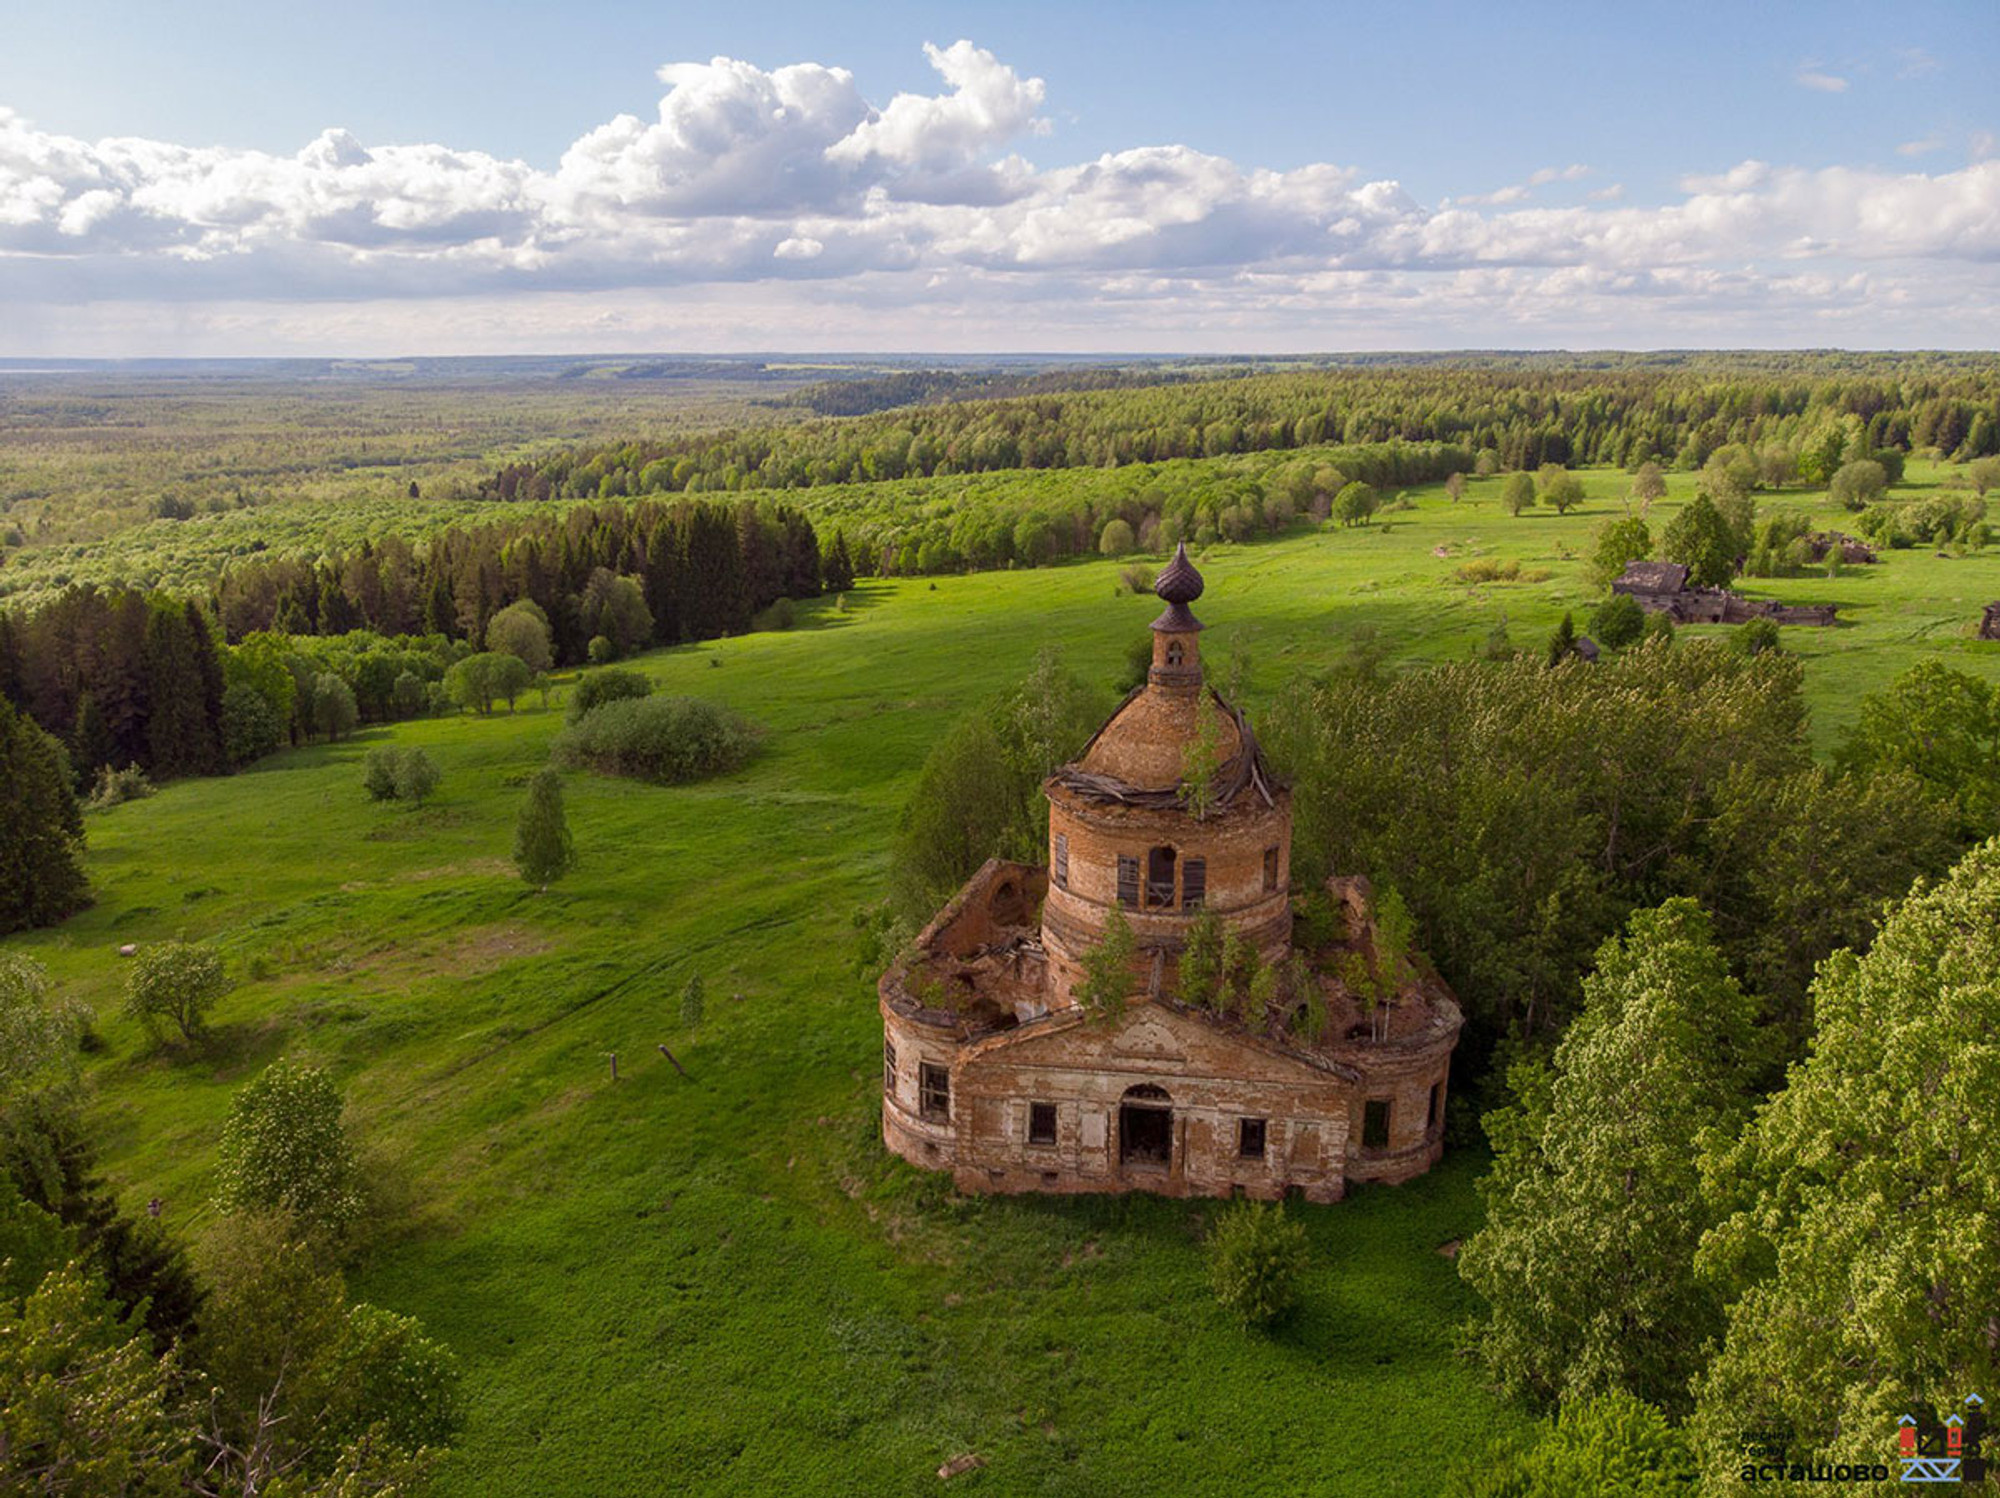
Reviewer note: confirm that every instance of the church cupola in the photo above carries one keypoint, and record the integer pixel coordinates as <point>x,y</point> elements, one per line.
<point>1177,633</point>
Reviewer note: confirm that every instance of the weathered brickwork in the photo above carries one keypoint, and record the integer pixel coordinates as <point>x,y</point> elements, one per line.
<point>992,1071</point>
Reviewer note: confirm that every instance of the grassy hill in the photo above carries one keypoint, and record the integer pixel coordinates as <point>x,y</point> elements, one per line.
<point>720,1281</point>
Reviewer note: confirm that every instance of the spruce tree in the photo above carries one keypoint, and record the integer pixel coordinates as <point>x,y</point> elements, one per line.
<point>41,829</point>
<point>543,851</point>
<point>180,732</point>
<point>839,567</point>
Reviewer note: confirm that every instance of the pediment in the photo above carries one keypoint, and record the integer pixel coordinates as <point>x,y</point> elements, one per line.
<point>1146,1037</point>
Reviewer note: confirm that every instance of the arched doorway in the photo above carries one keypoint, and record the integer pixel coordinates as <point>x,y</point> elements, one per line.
<point>1146,1128</point>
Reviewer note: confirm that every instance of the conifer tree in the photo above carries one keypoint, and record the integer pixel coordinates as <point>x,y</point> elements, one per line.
<point>41,828</point>
<point>180,732</point>
<point>543,851</point>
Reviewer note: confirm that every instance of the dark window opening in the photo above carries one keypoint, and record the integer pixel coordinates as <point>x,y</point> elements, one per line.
<point>1250,1138</point>
<point>888,1068</point>
<point>1375,1124</point>
<point>1270,869</point>
<point>1128,881</point>
<point>934,1093</point>
<point>1176,652</point>
<point>1041,1123</point>
<point>1194,883</point>
<point>1160,877</point>
<point>1437,1105</point>
<point>1049,1178</point>
<point>1062,861</point>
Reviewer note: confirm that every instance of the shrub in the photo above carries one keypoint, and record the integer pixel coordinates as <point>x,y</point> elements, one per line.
<point>417,777</point>
<point>601,650</point>
<point>1758,636</point>
<point>1255,1257</point>
<point>600,687</point>
<point>378,772</point>
<point>1136,578</point>
<point>1617,622</point>
<point>177,981</point>
<point>662,739</point>
<point>691,1000</point>
<point>115,787</point>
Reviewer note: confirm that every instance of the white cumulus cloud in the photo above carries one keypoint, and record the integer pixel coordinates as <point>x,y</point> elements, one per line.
<point>916,217</point>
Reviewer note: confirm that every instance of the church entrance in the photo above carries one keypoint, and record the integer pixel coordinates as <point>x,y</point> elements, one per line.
<point>1146,1128</point>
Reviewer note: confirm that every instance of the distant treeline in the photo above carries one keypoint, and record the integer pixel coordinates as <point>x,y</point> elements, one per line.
<point>126,678</point>
<point>1626,414</point>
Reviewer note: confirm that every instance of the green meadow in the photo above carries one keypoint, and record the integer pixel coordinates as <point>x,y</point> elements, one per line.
<point>719,1281</point>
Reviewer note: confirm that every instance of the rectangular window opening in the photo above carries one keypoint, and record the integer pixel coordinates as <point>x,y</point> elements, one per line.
<point>1437,1105</point>
<point>888,1068</point>
<point>1128,881</point>
<point>1375,1124</point>
<point>1194,883</point>
<point>1270,870</point>
<point>934,1093</point>
<point>1160,878</point>
<point>1062,860</point>
<point>1250,1138</point>
<point>1041,1123</point>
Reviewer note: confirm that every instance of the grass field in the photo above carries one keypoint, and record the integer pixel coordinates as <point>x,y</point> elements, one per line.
<point>721,1282</point>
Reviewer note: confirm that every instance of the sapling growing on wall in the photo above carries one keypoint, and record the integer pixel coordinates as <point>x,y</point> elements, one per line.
<point>1107,969</point>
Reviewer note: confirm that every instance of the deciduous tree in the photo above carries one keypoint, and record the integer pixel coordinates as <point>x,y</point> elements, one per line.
<point>1859,1256</point>
<point>1594,1213</point>
<point>285,1149</point>
<point>176,982</point>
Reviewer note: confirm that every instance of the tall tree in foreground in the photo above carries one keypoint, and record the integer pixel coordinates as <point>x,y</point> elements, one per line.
<point>1863,1245</point>
<point>41,829</point>
<point>543,851</point>
<point>1594,1212</point>
<point>88,1407</point>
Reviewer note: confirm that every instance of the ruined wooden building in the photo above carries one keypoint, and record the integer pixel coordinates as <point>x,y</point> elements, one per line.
<point>1662,588</point>
<point>992,1068</point>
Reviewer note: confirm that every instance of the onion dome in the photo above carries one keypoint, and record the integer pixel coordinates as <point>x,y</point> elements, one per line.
<point>1180,585</point>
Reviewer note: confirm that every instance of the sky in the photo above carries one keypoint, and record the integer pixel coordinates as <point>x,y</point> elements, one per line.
<point>220,177</point>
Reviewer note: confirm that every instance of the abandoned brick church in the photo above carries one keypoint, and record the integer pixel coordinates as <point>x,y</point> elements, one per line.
<point>993,1070</point>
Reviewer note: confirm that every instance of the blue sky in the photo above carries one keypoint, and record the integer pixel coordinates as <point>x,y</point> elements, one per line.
<point>1162,176</point>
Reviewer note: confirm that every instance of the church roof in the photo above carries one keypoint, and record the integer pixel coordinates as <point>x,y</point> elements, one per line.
<point>1139,756</point>
<point>1180,585</point>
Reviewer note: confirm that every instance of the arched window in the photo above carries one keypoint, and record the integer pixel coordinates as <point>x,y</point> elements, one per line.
<point>1176,652</point>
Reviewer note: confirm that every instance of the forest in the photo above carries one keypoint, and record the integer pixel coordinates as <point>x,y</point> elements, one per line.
<point>1687,893</point>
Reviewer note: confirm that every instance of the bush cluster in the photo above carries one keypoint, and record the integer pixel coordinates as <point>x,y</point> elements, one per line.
<point>1256,1255</point>
<point>393,774</point>
<point>662,739</point>
<point>115,787</point>
<point>600,687</point>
